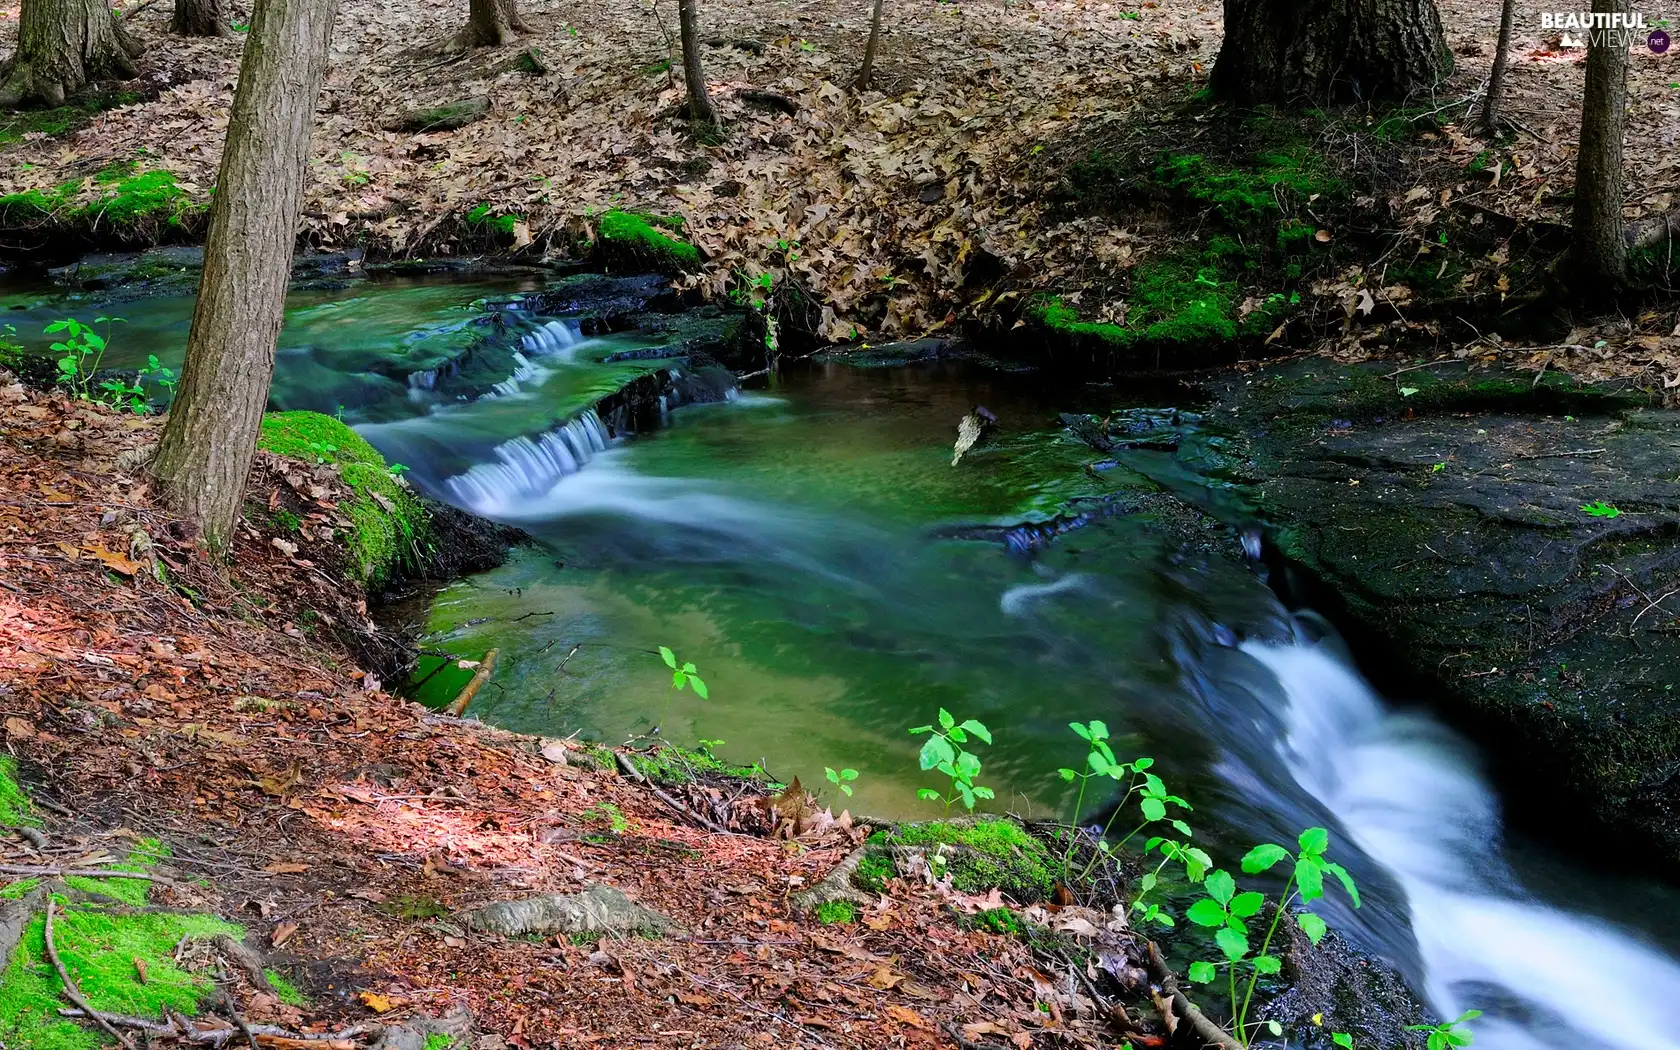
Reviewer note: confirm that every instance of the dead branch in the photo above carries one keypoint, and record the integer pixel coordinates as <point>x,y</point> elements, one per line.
<point>73,993</point>
<point>635,774</point>
<point>249,962</point>
<point>486,667</point>
<point>768,100</point>
<point>1209,1033</point>
<point>265,1034</point>
<point>82,873</point>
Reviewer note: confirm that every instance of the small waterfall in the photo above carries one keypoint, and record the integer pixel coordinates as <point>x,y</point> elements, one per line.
<point>553,339</point>
<point>1408,794</point>
<point>525,371</point>
<point>525,468</point>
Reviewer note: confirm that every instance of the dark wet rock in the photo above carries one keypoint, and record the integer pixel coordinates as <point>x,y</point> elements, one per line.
<point>1349,990</point>
<point>175,271</point>
<point>1509,548</point>
<point>603,302</point>
<point>643,403</point>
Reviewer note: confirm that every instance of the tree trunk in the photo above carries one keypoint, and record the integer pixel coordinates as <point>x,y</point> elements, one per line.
<point>63,45</point>
<point>699,102</point>
<point>491,23</point>
<point>199,18</point>
<point>1600,245</point>
<point>868,70</point>
<point>1329,51</point>
<point>206,448</point>
<point>1501,59</point>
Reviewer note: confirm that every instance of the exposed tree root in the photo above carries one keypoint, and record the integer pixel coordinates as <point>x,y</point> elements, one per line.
<point>835,886</point>
<point>1209,1033</point>
<point>73,993</point>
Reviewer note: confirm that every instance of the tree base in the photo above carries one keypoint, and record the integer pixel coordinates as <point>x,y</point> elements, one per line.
<point>47,76</point>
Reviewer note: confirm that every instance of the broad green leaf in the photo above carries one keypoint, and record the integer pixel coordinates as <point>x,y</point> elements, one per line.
<point>982,791</point>
<point>94,340</point>
<point>1309,877</point>
<point>1267,964</point>
<point>1468,1015</point>
<point>956,735</point>
<point>1314,840</point>
<point>669,657</point>
<point>935,751</point>
<point>1262,857</point>
<point>978,729</point>
<point>968,764</point>
<point>1346,880</point>
<point>699,686</point>
<point>1142,764</point>
<point>1438,1040</point>
<point>967,794</point>
<point>689,669</point>
<point>945,719</point>
<point>1099,730</point>
<point>1206,912</point>
<point>1311,925</point>
<point>1458,1038</point>
<point>1066,774</point>
<point>847,788</point>
<point>949,770</point>
<point>1183,828</point>
<point>1244,905</point>
<point>1201,972</point>
<point>921,729</point>
<point>1342,1039</point>
<point>1153,808</point>
<point>57,326</point>
<point>848,774</point>
<point>1221,886</point>
<point>678,679</point>
<point>1084,734</point>
<point>927,794</point>
<point>1146,883</point>
<point>833,775</point>
<point>1233,943</point>
<point>1153,785</point>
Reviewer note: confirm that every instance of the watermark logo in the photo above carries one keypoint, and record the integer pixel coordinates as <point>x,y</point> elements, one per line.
<point>1604,29</point>
<point>1658,41</point>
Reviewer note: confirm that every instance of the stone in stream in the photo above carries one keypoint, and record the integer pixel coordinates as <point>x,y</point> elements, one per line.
<point>1504,546</point>
<point>599,911</point>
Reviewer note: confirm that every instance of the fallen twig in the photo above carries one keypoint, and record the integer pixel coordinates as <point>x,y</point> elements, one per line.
<point>486,667</point>
<point>1209,1033</point>
<point>82,873</point>
<point>264,1034</point>
<point>71,992</point>
<point>635,774</point>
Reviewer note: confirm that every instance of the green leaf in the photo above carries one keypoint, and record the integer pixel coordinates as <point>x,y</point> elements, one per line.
<point>1262,857</point>
<point>699,686</point>
<point>927,794</point>
<point>1267,964</point>
<point>847,788</point>
<point>94,340</point>
<point>945,719</point>
<point>1066,774</point>
<point>1099,730</point>
<point>689,669</point>
<point>57,326</point>
<point>1221,886</point>
<point>1142,764</point>
<point>1233,943</point>
<point>979,729</point>
<point>1314,840</point>
<point>1206,912</point>
<point>1244,905</point>
<point>1183,828</point>
<point>1083,733</point>
<point>833,776</point>
<point>1146,883</point>
<point>1197,864</point>
<point>968,765</point>
<point>967,794</point>
<point>1311,925</point>
<point>935,751</point>
<point>1201,972</point>
<point>956,735</point>
<point>848,774</point>
<point>1342,1039</point>
<point>921,729</point>
<point>1309,876</point>
<point>678,679</point>
<point>1153,808</point>
<point>1099,765</point>
<point>1468,1015</point>
<point>1458,1038</point>
<point>1347,882</point>
<point>669,657</point>
<point>981,791</point>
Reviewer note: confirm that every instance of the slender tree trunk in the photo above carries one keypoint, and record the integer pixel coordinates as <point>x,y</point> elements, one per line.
<point>699,102</point>
<point>1328,51</point>
<point>491,23</point>
<point>868,70</point>
<point>1600,244</point>
<point>1501,59</point>
<point>63,45</point>
<point>206,448</point>
<point>199,18</point>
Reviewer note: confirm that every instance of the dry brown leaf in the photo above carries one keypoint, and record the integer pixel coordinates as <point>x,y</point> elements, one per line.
<point>905,1015</point>
<point>282,933</point>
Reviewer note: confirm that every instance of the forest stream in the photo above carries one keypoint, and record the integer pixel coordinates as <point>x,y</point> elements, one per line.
<point>811,547</point>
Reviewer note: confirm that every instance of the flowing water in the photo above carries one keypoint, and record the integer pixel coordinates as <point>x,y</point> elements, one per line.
<point>813,550</point>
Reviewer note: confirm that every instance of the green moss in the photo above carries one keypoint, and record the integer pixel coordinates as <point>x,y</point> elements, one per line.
<point>18,889</point>
<point>61,119</point>
<point>439,1041</point>
<point>995,920</point>
<point>285,989</point>
<point>873,870</point>
<point>482,215</point>
<point>126,199</point>
<point>630,240</point>
<point>100,950</point>
<point>1056,315</point>
<point>382,539</point>
<point>983,854</point>
<point>1243,196</point>
<point>15,808</point>
<point>678,765</point>
<point>836,911</point>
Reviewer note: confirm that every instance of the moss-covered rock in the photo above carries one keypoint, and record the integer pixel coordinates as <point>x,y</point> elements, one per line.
<point>390,525</point>
<point>634,242</point>
<point>981,855</point>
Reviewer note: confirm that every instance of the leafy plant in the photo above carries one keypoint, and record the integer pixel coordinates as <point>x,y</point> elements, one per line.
<point>1196,864</point>
<point>705,746</point>
<point>1448,1033</point>
<point>1100,761</point>
<point>11,352</point>
<point>1227,912</point>
<point>322,451</point>
<point>80,350</point>
<point>1600,509</point>
<point>840,778</point>
<point>682,674</point>
<point>119,393</point>
<point>944,752</point>
<point>156,372</point>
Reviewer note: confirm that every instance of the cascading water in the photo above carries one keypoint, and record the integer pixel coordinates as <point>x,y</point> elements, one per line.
<point>1407,793</point>
<point>524,468</point>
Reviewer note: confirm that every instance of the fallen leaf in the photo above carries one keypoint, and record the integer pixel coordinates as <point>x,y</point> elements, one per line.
<point>114,561</point>
<point>906,1015</point>
<point>286,867</point>
<point>378,1003</point>
<point>282,933</point>
<point>17,727</point>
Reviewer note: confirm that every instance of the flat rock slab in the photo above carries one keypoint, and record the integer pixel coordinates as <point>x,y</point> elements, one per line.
<point>599,911</point>
<point>1441,515</point>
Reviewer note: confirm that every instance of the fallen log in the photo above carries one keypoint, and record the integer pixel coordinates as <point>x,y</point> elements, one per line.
<point>486,667</point>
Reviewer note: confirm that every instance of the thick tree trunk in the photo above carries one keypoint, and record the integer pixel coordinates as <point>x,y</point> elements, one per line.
<point>199,18</point>
<point>1501,59</point>
<point>1600,245</point>
<point>491,23</point>
<point>868,71</point>
<point>63,45</point>
<point>1329,51</point>
<point>206,448</point>
<point>694,77</point>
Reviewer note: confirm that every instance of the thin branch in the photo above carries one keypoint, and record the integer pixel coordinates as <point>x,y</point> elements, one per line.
<point>73,993</point>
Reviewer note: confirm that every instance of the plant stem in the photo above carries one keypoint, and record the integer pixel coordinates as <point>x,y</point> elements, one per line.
<point>1236,1019</point>
<point>1078,805</point>
<point>1288,895</point>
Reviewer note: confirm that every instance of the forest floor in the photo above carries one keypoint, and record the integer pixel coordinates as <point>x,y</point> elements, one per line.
<point>940,196</point>
<point>149,697</point>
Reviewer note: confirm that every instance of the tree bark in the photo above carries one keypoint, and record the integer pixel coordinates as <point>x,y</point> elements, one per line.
<point>868,71</point>
<point>694,77</point>
<point>199,18</point>
<point>1329,51</point>
<point>1496,80</point>
<point>1600,244</point>
<point>62,46</point>
<point>492,23</point>
<point>211,434</point>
